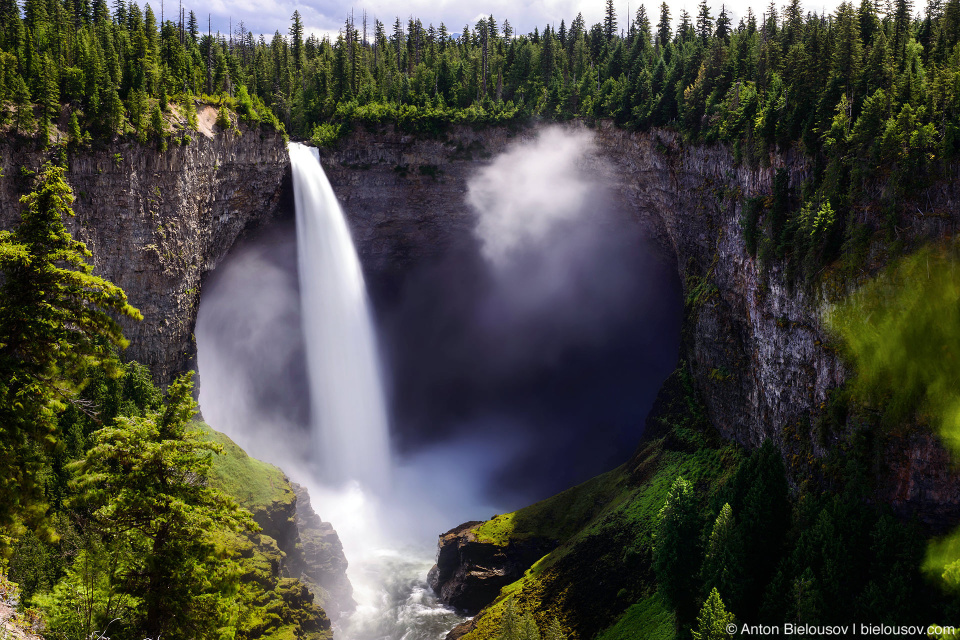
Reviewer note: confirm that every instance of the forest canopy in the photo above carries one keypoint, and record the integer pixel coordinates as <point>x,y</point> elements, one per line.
<point>881,82</point>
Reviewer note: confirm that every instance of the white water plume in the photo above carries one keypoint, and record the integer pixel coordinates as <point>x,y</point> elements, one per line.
<point>347,402</point>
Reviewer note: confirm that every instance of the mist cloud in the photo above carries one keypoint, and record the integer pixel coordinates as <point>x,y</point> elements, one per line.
<point>249,344</point>
<point>529,192</point>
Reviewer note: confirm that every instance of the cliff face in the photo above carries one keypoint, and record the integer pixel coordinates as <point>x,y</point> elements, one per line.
<point>319,561</point>
<point>757,347</point>
<point>158,222</point>
<point>470,573</point>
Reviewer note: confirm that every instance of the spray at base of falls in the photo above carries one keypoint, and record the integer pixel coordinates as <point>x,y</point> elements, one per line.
<point>349,422</point>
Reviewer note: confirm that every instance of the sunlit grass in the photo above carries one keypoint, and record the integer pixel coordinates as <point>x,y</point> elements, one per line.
<point>256,485</point>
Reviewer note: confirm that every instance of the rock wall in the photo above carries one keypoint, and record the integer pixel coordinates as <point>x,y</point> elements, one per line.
<point>755,345</point>
<point>158,222</point>
<point>469,573</point>
<point>319,561</point>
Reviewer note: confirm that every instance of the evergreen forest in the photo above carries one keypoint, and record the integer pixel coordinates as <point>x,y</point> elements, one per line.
<point>111,522</point>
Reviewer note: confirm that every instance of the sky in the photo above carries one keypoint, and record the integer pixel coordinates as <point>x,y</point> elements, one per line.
<point>327,16</point>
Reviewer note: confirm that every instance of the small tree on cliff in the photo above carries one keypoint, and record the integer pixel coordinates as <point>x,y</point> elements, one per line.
<point>54,328</point>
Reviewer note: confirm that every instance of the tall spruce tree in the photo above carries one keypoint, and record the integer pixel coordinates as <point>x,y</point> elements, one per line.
<point>55,326</point>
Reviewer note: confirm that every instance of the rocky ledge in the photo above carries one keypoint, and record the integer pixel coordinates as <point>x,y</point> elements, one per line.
<point>470,572</point>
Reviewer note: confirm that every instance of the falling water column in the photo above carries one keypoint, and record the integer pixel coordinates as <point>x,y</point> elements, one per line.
<point>349,417</point>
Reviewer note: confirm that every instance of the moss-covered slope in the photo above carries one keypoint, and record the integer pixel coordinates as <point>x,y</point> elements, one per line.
<point>271,604</point>
<point>598,579</point>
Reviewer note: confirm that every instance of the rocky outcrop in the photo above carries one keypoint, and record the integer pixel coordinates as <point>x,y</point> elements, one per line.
<point>470,572</point>
<point>293,543</point>
<point>158,222</point>
<point>320,562</point>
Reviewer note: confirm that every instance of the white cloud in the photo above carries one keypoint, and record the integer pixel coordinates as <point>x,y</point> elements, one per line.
<point>328,16</point>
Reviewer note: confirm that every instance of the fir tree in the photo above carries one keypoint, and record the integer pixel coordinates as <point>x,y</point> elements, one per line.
<point>714,620</point>
<point>54,326</point>
<point>663,27</point>
<point>704,22</point>
<point>145,480</point>
<point>610,21</point>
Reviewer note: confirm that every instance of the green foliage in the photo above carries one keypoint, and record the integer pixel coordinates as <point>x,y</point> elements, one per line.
<point>86,601</point>
<point>517,626</point>
<point>901,333</point>
<point>54,329</point>
<point>714,619</point>
<point>649,618</point>
<point>676,555</point>
<point>555,518</point>
<point>326,134</point>
<point>223,118</point>
<point>723,561</point>
<point>144,480</point>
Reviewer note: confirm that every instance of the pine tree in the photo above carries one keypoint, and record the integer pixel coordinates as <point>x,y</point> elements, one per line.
<point>675,555</point>
<point>714,620</point>
<point>54,327</point>
<point>723,560</point>
<point>296,40</point>
<point>684,27</point>
<point>193,28</point>
<point>76,136</point>
<point>848,51</point>
<point>145,480</point>
<point>704,22</point>
<point>23,121</point>
<point>663,27</point>
<point>723,24</point>
<point>610,21</point>
<point>902,17</point>
<point>641,26</point>
<point>158,127</point>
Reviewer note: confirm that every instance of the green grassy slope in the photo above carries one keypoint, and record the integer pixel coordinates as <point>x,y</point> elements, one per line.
<point>282,607</point>
<point>599,580</point>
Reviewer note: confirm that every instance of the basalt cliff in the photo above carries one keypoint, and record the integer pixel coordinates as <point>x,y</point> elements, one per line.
<point>157,223</point>
<point>755,346</point>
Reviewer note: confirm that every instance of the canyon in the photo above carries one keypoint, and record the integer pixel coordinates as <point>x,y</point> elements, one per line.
<point>755,345</point>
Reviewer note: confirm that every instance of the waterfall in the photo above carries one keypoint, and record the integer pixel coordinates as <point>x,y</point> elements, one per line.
<point>349,416</point>
<point>350,427</point>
